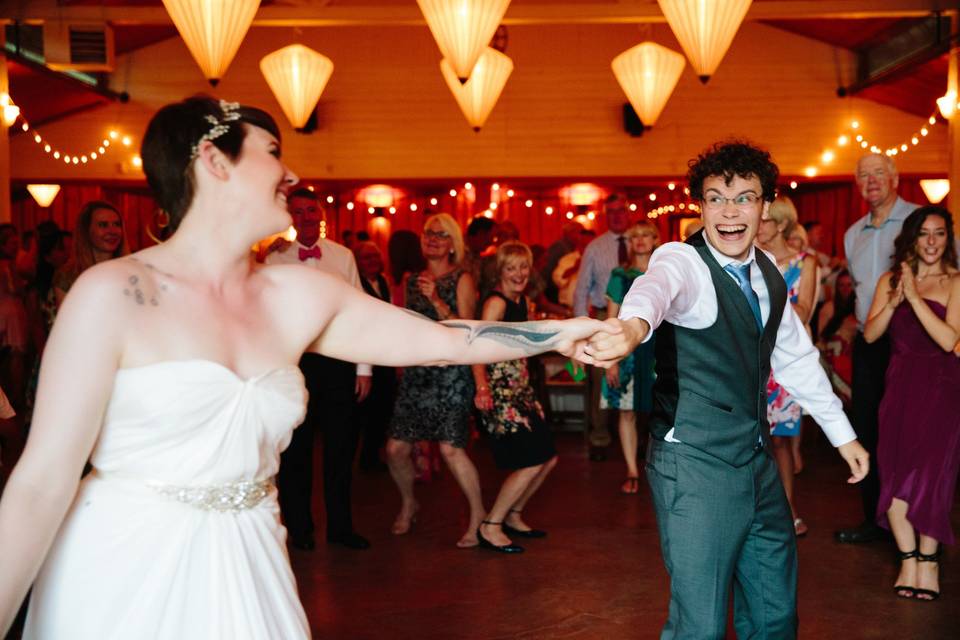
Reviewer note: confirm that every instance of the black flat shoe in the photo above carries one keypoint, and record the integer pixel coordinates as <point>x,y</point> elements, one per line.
<point>857,535</point>
<point>519,533</point>
<point>351,540</point>
<point>486,544</point>
<point>303,543</point>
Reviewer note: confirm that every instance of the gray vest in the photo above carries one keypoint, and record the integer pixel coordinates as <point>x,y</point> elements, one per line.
<point>711,383</point>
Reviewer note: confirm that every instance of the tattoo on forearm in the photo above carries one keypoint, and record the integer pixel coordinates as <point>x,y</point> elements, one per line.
<point>532,337</point>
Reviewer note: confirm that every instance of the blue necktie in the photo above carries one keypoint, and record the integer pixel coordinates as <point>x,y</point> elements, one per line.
<point>742,274</point>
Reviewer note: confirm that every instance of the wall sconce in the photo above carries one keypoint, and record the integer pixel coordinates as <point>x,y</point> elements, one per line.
<point>10,111</point>
<point>947,104</point>
<point>935,189</point>
<point>377,198</point>
<point>582,194</point>
<point>44,194</point>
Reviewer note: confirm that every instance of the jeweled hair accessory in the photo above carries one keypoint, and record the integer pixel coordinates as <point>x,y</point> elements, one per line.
<point>219,126</point>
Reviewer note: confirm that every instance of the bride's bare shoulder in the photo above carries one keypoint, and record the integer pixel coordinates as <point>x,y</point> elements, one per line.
<point>123,279</point>
<point>301,278</point>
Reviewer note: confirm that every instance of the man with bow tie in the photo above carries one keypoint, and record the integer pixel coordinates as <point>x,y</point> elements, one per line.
<point>335,389</point>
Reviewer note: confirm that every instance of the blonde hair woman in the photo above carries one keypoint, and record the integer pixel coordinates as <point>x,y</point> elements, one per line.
<point>522,442</point>
<point>433,403</point>
<point>628,385</point>
<point>800,273</point>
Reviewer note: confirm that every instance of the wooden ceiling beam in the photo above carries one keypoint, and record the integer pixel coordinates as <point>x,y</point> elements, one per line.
<point>406,13</point>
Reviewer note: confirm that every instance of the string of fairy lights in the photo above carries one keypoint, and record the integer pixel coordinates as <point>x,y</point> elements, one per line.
<point>853,136</point>
<point>115,137</point>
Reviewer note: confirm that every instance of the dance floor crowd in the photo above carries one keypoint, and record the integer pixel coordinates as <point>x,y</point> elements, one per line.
<point>466,436</point>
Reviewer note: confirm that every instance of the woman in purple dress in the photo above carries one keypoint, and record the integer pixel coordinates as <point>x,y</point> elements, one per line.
<point>919,448</point>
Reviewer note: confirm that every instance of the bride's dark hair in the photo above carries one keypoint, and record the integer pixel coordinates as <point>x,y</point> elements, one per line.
<point>905,246</point>
<point>169,145</point>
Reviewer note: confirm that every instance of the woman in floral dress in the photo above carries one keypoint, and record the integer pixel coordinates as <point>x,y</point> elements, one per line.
<point>522,441</point>
<point>628,385</point>
<point>800,273</point>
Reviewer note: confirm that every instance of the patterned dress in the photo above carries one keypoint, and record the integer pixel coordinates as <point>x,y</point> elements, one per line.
<point>433,403</point>
<point>521,437</point>
<point>783,412</point>
<point>635,392</point>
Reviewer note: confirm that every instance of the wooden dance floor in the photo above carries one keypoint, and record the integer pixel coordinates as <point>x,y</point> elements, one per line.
<point>598,574</point>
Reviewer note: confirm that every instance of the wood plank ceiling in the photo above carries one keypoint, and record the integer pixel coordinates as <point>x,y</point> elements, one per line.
<point>912,89</point>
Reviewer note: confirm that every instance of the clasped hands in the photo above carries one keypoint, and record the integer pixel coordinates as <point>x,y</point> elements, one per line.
<point>611,341</point>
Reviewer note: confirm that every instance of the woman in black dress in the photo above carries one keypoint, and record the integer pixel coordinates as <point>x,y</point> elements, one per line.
<point>522,440</point>
<point>433,403</point>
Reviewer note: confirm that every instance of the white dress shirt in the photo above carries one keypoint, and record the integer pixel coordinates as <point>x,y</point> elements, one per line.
<point>335,259</point>
<point>677,288</point>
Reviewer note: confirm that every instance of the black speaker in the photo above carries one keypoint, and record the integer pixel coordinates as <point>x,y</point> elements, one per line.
<point>312,124</point>
<point>631,121</point>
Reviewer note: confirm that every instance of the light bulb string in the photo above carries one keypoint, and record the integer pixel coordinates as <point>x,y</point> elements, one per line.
<point>852,136</point>
<point>71,158</point>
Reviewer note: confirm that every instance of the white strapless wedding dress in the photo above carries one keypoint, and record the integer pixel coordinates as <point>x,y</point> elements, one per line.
<point>176,533</point>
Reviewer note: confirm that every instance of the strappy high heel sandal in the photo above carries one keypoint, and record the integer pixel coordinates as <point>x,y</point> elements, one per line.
<point>928,595</point>
<point>903,591</point>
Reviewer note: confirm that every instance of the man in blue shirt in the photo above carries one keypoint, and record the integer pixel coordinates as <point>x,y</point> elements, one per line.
<point>868,245</point>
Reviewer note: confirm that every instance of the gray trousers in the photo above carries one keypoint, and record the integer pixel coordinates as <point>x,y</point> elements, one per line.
<point>720,525</point>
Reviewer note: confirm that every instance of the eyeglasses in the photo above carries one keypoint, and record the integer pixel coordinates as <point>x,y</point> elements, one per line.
<point>742,201</point>
<point>437,235</point>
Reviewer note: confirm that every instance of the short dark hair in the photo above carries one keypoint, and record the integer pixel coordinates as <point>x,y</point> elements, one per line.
<point>480,224</point>
<point>363,236</point>
<point>303,192</point>
<point>733,158</point>
<point>167,148</point>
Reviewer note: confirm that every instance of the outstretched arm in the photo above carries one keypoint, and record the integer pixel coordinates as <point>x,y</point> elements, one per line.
<point>365,329</point>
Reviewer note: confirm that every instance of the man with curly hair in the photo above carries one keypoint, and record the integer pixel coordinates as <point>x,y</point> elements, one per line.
<point>719,308</point>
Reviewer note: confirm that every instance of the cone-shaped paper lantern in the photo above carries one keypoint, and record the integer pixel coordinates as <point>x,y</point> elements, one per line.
<point>478,95</point>
<point>647,73</point>
<point>462,29</point>
<point>44,194</point>
<point>935,189</point>
<point>705,29</point>
<point>213,30</point>
<point>297,76</point>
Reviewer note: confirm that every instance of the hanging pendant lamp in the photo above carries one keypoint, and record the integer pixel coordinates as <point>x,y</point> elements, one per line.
<point>648,73</point>
<point>478,95</point>
<point>463,29</point>
<point>705,29</point>
<point>44,194</point>
<point>213,30</point>
<point>297,76</point>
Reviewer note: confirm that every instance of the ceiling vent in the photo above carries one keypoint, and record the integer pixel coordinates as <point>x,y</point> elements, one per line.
<point>78,47</point>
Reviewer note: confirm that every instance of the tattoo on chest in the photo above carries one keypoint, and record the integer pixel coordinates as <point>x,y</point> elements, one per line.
<point>134,290</point>
<point>532,337</point>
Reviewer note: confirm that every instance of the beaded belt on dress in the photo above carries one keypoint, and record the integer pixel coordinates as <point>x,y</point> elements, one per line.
<point>236,496</point>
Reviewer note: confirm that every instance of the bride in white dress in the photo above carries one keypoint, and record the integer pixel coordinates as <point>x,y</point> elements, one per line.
<point>174,372</point>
